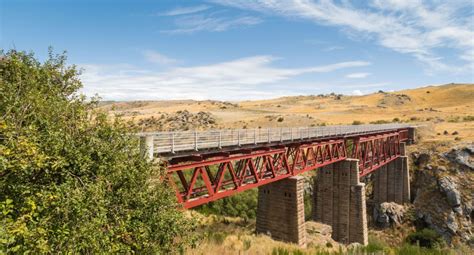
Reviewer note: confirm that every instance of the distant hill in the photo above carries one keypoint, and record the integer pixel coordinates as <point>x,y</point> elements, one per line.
<point>446,102</point>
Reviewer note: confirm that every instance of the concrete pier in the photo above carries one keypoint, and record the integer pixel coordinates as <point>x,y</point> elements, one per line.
<point>392,181</point>
<point>280,211</point>
<point>339,201</point>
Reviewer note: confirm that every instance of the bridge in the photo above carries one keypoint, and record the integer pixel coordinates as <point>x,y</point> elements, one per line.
<point>203,166</point>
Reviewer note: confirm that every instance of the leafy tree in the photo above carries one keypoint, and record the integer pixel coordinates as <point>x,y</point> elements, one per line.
<point>72,180</point>
<point>242,205</point>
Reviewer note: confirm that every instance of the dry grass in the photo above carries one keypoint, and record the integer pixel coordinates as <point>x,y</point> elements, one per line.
<point>445,107</point>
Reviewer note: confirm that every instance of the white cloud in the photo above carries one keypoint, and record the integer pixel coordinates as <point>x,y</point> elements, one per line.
<point>185,10</point>
<point>333,48</point>
<point>211,22</point>
<point>245,78</point>
<point>357,75</point>
<point>357,93</point>
<point>156,57</point>
<point>411,27</point>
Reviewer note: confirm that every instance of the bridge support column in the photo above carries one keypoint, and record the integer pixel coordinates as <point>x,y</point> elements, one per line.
<point>280,211</point>
<point>392,181</point>
<point>339,201</point>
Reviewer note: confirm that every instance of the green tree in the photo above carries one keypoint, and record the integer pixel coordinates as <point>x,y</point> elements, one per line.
<point>72,180</point>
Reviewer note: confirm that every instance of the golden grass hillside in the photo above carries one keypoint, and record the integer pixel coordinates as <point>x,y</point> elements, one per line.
<point>444,108</point>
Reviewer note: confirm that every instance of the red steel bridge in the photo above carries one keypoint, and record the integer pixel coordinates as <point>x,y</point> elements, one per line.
<point>209,165</point>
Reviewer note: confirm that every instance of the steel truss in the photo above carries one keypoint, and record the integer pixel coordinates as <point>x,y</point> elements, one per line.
<point>202,178</point>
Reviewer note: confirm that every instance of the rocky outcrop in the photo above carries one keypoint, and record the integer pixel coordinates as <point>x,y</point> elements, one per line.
<point>390,99</point>
<point>448,187</point>
<point>181,120</point>
<point>444,192</point>
<point>388,214</point>
<point>463,156</point>
<point>421,159</point>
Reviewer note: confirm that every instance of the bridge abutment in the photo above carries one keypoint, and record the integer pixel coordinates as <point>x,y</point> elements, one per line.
<point>392,181</point>
<point>339,201</point>
<point>280,211</point>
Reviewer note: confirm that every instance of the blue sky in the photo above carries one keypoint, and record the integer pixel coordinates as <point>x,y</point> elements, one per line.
<point>246,49</point>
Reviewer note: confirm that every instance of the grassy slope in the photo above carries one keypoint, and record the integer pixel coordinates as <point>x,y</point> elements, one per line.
<point>446,102</point>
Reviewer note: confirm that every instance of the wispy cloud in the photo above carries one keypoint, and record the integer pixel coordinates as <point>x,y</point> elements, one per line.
<point>158,58</point>
<point>410,27</point>
<point>333,48</point>
<point>210,22</point>
<point>245,78</point>
<point>357,75</point>
<point>185,10</point>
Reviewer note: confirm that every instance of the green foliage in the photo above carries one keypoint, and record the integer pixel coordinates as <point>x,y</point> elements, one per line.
<point>425,238</point>
<point>247,244</point>
<point>280,251</point>
<point>242,205</point>
<point>71,180</point>
<point>377,246</point>
<point>217,237</point>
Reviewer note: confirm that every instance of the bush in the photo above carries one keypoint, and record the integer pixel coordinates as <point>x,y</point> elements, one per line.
<point>380,122</point>
<point>242,205</point>
<point>71,180</point>
<point>356,122</point>
<point>425,238</point>
<point>468,118</point>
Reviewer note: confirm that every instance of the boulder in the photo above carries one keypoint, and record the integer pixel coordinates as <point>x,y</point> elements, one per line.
<point>421,158</point>
<point>449,188</point>
<point>388,214</point>
<point>451,223</point>
<point>462,156</point>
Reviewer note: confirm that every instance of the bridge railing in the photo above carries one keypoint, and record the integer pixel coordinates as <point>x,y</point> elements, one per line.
<point>178,141</point>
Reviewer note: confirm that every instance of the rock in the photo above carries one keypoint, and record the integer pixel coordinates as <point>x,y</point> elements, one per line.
<point>451,223</point>
<point>449,188</point>
<point>421,158</point>
<point>462,156</point>
<point>313,227</point>
<point>388,214</point>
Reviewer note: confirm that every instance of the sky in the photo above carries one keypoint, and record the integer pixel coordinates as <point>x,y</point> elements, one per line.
<point>248,49</point>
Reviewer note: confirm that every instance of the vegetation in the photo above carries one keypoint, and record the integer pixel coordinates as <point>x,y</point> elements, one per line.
<point>468,118</point>
<point>425,238</point>
<point>242,205</point>
<point>73,181</point>
<point>357,122</point>
<point>380,122</point>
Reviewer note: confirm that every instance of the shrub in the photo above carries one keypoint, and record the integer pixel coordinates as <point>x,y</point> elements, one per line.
<point>71,180</point>
<point>356,122</point>
<point>280,119</point>
<point>468,118</point>
<point>425,238</point>
<point>396,120</point>
<point>242,205</point>
<point>380,122</point>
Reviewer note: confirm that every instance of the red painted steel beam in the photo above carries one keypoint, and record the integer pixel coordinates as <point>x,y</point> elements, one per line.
<point>200,179</point>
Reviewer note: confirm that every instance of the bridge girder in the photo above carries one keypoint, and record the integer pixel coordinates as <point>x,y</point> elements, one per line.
<point>199,179</point>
